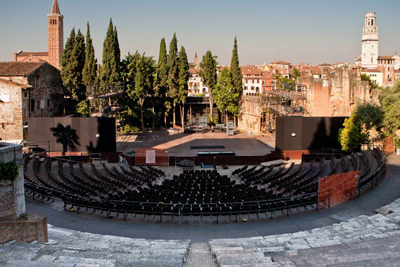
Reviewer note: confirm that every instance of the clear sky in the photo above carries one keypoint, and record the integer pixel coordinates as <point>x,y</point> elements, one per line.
<point>313,31</point>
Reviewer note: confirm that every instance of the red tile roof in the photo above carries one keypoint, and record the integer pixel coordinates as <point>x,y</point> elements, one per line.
<point>38,54</point>
<point>280,62</point>
<point>18,68</point>
<point>371,70</point>
<point>250,70</point>
<point>386,57</point>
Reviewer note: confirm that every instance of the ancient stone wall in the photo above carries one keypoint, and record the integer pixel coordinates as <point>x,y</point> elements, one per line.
<point>12,198</point>
<point>336,94</point>
<point>251,113</point>
<point>11,113</point>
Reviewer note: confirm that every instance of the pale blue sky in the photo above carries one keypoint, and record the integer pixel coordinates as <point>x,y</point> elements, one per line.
<point>292,30</point>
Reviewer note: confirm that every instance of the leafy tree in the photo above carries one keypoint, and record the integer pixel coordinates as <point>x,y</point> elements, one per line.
<point>183,82</point>
<point>173,76</point>
<point>66,136</point>
<point>224,94</point>
<point>208,73</point>
<point>367,78</point>
<point>371,116</point>
<point>351,136</point>
<point>143,81</point>
<point>390,103</point>
<point>82,109</point>
<point>161,80</point>
<point>89,73</point>
<point>130,113</point>
<point>110,70</point>
<point>296,74</point>
<point>237,82</point>
<point>357,128</point>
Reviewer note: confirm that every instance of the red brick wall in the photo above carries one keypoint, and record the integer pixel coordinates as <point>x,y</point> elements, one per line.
<point>7,203</point>
<point>34,228</point>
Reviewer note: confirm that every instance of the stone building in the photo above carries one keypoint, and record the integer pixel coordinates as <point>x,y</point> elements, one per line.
<point>252,80</point>
<point>55,41</point>
<point>27,89</point>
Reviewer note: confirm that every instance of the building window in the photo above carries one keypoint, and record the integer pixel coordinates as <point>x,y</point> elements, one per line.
<point>252,88</point>
<point>25,94</point>
<point>32,104</point>
<point>38,104</point>
<point>245,88</point>
<point>37,81</point>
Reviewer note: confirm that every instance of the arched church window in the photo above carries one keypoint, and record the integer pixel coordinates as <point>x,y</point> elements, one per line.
<point>372,22</point>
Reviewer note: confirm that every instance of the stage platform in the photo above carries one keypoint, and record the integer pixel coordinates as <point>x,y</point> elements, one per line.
<point>181,144</point>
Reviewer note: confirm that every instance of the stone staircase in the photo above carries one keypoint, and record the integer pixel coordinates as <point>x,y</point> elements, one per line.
<point>67,248</point>
<point>200,256</point>
<point>361,241</point>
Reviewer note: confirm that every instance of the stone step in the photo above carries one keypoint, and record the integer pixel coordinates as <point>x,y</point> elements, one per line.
<point>200,256</point>
<point>387,262</point>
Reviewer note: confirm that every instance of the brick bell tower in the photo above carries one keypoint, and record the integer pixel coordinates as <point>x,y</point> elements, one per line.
<point>56,35</point>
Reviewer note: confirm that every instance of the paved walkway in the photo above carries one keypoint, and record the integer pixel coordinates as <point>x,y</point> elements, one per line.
<point>203,231</point>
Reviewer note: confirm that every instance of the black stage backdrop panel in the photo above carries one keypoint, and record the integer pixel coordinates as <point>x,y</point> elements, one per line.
<point>308,133</point>
<point>94,134</point>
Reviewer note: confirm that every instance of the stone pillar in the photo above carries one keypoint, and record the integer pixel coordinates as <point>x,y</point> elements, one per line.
<point>12,197</point>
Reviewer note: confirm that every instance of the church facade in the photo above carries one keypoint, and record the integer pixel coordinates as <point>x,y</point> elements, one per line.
<point>55,41</point>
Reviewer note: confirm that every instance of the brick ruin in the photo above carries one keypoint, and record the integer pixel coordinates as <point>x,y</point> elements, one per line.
<point>335,94</point>
<point>14,223</point>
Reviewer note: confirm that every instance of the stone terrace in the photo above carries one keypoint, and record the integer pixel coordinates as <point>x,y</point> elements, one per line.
<point>67,248</point>
<point>361,241</point>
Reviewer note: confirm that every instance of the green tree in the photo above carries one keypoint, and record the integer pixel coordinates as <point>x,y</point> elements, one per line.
<point>224,95</point>
<point>237,82</point>
<point>208,73</point>
<point>351,137</point>
<point>390,104</point>
<point>371,116</point>
<point>183,82</point>
<point>161,80</point>
<point>367,78</point>
<point>68,65</point>
<point>110,69</point>
<point>79,92</point>
<point>296,74</point>
<point>173,76</point>
<point>130,113</point>
<point>143,82</point>
<point>89,73</point>
<point>82,109</point>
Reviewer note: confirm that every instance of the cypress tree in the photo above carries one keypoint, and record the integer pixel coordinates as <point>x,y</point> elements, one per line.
<point>79,92</point>
<point>67,66</point>
<point>236,74</point>
<point>183,82</point>
<point>208,73</point>
<point>90,70</point>
<point>161,79</point>
<point>173,75</point>
<point>109,71</point>
<point>117,50</point>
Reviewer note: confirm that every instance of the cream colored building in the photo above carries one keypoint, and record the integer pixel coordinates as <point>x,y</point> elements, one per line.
<point>375,75</point>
